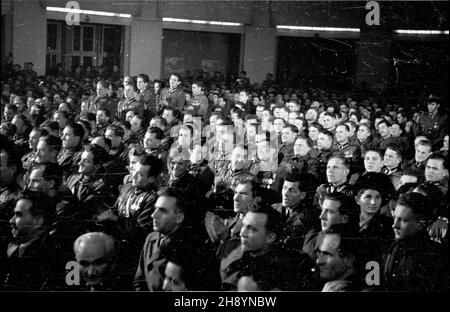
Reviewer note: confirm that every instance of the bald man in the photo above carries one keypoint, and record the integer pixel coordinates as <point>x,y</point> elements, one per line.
<point>96,256</point>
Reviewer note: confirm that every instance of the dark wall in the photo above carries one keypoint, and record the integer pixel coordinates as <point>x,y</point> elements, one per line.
<point>317,60</point>
<point>187,50</point>
<point>420,66</point>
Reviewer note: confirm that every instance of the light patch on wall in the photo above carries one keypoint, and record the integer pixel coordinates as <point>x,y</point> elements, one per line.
<point>311,28</point>
<point>202,22</point>
<point>68,10</point>
<point>421,32</point>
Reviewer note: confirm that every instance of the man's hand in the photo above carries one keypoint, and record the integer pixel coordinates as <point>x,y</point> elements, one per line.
<point>107,216</point>
<point>215,226</point>
<point>335,286</point>
<point>438,229</point>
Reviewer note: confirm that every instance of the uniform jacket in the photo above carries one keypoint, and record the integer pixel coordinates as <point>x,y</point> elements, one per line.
<point>175,98</point>
<point>417,167</point>
<point>204,176</point>
<point>353,154</point>
<point>152,261</point>
<point>416,265</point>
<point>68,159</point>
<point>34,265</point>
<point>201,105</point>
<point>286,151</point>
<point>297,222</point>
<point>91,194</point>
<point>376,236</point>
<point>322,157</point>
<point>394,174</point>
<point>134,208</point>
<point>126,105</point>
<point>434,127</point>
<point>370,143</point>
<point>95,103</point>
<point>147,97</point>
<point>300,164</point>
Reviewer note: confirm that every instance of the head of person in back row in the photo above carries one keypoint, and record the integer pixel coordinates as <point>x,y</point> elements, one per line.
<point>324,140</point>
<point>338,169</point>
<point>436,170</point>
<point>373,161</point>
<point>288,134</point>
<point>48,149</point>
<point>178,162</point>
<point>364,132</point>
<point>329,121</point>
<point>393,157</point>
<point>302,145</point>
<point>423,151</point>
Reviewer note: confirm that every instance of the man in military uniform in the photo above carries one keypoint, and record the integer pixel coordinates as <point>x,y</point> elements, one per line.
<point>46,178</point>
<point>172,117</point>
<point>365,140</point>
<point>30,159</point>
<point>138,129</point>
<point>336,208</point>
<point>433,124</point>
<point>258,251</point>
<point>48,149</point>
<point>152,144</point>
<point>146,96</point>
<point>393,157</point>
<point>200,170</point>
<point>178,173</point>
<point>329,122</point>
<point>238,168</point>
<point>135,199</point>
<point>102,99</point>
<point>173,96</point>
<point>129,103</point>
<point>33,261</point>
<point>436,172</point>
<point>351,152</point>
<point>220,162</point>
<point>423,151</point>
<point>414,262</point>
<point>265,166</point>
<point>220,229</point>
<point>130,219</point>
<point>286,149</point>
<point>9,189</point>
<point>299,216</point>
<point>21,136</point>
<point>323,153</point>
<point>103,119</point>
<point>200,101</point>
<point>301,162</point>
<point>338,169</point>
<point>87,187</point>
<point>69,157</point>
<point>118,150</point>
<point>385,135</point>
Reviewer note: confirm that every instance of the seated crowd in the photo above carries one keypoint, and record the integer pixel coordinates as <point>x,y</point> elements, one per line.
<point>208,185</point>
